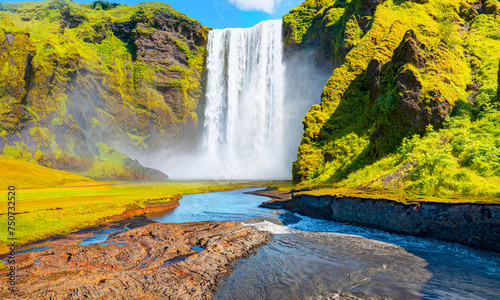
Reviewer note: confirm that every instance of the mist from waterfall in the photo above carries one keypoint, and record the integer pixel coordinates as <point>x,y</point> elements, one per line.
<point>255,103</point>
<point>243,126</point>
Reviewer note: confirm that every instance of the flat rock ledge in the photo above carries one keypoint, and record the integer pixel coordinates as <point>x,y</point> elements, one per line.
<point>154,261</point>
<point>475,225</point>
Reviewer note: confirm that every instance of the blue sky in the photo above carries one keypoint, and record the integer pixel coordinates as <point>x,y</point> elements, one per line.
<point>233,13</point>
<point>223,13</point>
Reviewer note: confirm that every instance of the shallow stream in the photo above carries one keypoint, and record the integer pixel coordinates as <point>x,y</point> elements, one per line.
<point>316,259</point>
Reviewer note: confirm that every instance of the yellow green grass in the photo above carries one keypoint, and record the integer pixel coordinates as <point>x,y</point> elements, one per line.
<point>86,68</point>
<point>25,175</point>
<point>394,195</point>
<point>50,202</point>
<point>353,141</point>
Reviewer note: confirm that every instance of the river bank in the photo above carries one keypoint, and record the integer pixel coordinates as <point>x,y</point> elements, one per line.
<point>45,212</point>
<point>136,258</point>
<point>471,224</point>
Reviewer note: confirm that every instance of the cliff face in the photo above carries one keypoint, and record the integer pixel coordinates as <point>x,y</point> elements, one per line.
<point>407,73</point>
<point>476,225</point>
<point>80,81</point>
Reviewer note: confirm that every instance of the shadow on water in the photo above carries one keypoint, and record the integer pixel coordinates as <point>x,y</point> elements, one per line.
<point>457,271</point>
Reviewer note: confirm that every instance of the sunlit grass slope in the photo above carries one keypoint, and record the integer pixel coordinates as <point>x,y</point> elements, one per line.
<point>50,202</point>
<point>78,86</point>
<point>25,175</point>
<point>412,105</point>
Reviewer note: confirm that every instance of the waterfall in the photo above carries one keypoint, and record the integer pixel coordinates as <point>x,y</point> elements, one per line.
<point>255,103</point>
<point>244,119</point>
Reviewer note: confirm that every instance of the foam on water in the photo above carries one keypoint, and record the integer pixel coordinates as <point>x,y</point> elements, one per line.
<point>270,227</point>
<point>319,259</point>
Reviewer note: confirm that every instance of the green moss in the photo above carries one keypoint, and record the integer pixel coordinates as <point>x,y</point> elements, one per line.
<point>357,137</point>
<point>18,151</point>
<point>83,80</point>
<point>95,122</point>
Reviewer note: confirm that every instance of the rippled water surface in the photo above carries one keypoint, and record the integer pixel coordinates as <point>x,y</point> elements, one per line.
<point>316,259</point>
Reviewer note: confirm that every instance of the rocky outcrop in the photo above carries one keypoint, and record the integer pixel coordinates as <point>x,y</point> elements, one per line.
<point>476,225</point>
<point>413,112</point>
<point>410,50</point>
<point>129,79</point>
<point>149,261</point>
<point>491,7</point>
<point>14,84</point>
<point>370,5</point>
<point>372,80</point>
<point>417,112</point>
<point>392,79</point>
<point>143,173</point>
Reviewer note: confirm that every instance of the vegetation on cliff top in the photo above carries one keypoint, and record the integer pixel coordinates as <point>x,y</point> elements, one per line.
<point>412,104</point>
<point>80,78</point>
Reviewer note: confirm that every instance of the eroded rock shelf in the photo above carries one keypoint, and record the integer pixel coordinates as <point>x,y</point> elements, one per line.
<point>151,261</point>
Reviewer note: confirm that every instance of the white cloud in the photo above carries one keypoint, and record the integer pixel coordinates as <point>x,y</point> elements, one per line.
<point>267,6</point>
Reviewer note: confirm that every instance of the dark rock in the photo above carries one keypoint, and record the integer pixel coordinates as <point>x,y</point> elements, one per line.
<point>104,5</point>
<point>414,109</point>
<point>409,86</point>
<point>476,225</point>
<point>274,194</point>
<point>373,70</point>
<point>275,204</point>
<point>155,261</point>
<point>491,7</point>
<point>472,87</point>
<point>419,1</point>
<point>159,47</point>
<point>371,4</point>
<point>372,79</point>
<point>299,190</point>
<point>280,199</point>
<point>498,81</point>
<point>289,218</point>
<point>71,20</point>
<point>410,50</point>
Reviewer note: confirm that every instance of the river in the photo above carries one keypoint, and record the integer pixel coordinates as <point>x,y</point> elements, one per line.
<point>316,259</point>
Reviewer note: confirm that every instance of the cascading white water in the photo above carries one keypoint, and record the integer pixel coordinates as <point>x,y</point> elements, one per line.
<point>254,106</point>
<point>244,114</point>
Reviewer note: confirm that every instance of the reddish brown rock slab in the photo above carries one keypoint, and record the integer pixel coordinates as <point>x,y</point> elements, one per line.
<point>152,261</point>
<point>280,199</point>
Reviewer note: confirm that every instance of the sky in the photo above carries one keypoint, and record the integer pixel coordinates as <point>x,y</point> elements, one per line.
<point>220,14</point>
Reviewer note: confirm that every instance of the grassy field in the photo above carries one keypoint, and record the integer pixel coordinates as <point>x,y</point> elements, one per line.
<point>51,202</point>
<point>394,195</point>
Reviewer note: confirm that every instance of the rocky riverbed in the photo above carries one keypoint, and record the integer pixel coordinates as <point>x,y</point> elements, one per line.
<point>476,225</point>
<point>142,260</point>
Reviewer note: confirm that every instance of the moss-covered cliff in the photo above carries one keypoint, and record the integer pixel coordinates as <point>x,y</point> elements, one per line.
<point>412,103</point>
<point>79,81</point>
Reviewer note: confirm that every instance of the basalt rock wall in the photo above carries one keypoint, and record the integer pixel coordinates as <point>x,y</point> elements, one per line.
<point>476,225</point>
